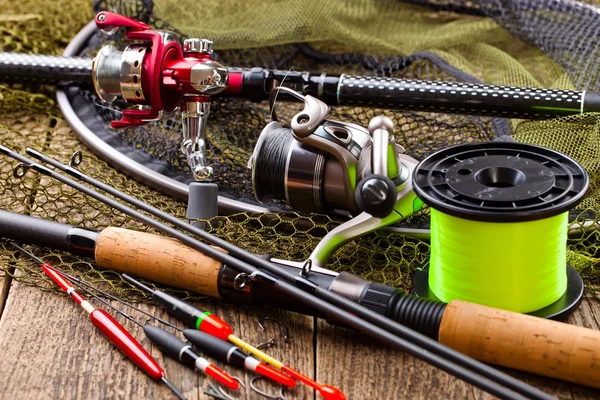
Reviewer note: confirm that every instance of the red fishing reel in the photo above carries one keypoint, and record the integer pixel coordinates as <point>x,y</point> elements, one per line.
<point>156,74</point>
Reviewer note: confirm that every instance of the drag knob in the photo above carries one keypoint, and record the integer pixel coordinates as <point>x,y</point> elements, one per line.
<point>376,195</point>
<point>195,45</point>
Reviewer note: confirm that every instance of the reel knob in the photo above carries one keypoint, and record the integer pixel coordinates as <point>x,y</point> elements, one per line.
<point>195,45</point>
<point>376,195</point>
<point>380,122</point>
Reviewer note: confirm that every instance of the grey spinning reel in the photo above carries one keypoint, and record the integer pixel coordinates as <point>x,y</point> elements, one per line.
<point>320,165</point>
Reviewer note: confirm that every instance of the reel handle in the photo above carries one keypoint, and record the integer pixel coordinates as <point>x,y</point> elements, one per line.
<point>376,193</point>
<point>383,153</point>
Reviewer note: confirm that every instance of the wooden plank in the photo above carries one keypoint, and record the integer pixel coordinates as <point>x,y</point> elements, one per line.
<point>366,369</point>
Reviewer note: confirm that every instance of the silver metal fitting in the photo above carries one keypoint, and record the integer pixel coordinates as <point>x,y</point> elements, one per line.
<point>195,45</point>
<point>193,146</point>
<point>131,73</point>
<point>209,77</point>
<point>106,70</point>
<point>119,73</point>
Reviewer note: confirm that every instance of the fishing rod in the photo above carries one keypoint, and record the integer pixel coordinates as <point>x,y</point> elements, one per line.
<point>256,84</point>
<point>306,292</point>
<point>193,78</point>
<point>111,80</point>
<point>113,331</point>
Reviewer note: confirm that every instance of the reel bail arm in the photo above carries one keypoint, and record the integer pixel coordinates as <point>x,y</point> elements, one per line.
<point>385,196</point>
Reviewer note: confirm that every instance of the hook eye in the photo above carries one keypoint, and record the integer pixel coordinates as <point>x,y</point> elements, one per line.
<point>278,396</point>
<point>20,170</point>
<point>284,330</point>
<point>76,159</point>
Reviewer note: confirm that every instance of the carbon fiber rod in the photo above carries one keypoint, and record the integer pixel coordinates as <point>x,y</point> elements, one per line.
<point>19,67</point>
<point>367,91</point>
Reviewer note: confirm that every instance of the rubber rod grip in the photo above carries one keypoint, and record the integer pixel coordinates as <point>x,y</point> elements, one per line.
<point>19,67</point>
<point>459,97</point>
<point>126,343</point>
<point>157,258</point>
<point>523,342</point>
<point>40,232</point>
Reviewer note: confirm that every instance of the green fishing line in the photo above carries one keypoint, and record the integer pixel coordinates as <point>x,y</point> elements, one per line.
<point>516,266</point>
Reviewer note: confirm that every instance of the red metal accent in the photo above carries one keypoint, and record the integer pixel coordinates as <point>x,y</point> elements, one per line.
<point>274,375</point>
<point>216,327</point>
<point>222,377</point>
<point>165,70</point>
<point>236,83</point>
<point>126,343</point>
<point>107,20</point>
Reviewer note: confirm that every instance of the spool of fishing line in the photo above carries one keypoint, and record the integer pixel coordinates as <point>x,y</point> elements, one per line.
<point>499,215</point>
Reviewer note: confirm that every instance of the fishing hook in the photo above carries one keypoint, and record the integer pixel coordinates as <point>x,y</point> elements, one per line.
<point>214,393</point>
<point>272,341</point>
<point>278,396</point>
<point>227,395</point>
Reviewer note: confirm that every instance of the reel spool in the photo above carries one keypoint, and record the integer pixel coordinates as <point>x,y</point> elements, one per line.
<point>499,216</point>
<point>308,178</point>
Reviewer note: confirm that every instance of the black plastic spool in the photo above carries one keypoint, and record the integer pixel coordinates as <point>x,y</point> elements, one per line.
<point>503,182</point>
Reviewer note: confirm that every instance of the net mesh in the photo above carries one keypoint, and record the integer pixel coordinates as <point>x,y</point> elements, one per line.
<point>499,42</point>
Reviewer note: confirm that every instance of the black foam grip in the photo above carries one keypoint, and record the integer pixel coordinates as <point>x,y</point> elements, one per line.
<point>40,232</point>
<point>459,97</point>
<point>420,314</point>
<point>170,344</point>
<point>18,67</point>
<point>208,344</point>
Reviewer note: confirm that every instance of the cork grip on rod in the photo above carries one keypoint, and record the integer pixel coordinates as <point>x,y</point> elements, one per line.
<point>523,342</point>
<point>159,259</point>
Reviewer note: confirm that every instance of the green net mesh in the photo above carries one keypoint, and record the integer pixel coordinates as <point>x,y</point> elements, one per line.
<point>444,41</point>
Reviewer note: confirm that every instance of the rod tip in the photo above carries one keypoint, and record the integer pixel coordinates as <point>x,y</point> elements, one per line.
<point>173,389</point>
<point>137,283</point>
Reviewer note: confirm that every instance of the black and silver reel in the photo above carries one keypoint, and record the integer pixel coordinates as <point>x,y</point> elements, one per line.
<point>322,165</point>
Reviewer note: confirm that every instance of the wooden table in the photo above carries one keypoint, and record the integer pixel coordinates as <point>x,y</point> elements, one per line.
<point>50,350</point>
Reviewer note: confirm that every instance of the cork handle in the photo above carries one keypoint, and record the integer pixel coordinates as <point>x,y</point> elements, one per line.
<point>523,342</point>
<point>158,259</point>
